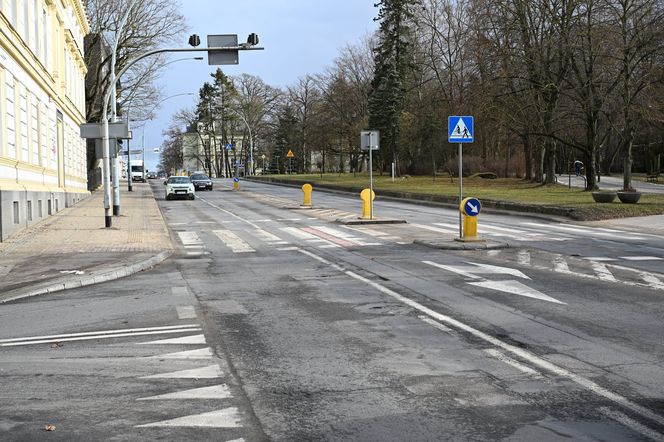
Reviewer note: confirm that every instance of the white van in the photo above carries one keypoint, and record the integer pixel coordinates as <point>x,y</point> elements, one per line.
<point>137,171</point>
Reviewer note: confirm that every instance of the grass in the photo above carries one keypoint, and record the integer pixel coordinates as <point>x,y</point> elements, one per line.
<point>501,189</point>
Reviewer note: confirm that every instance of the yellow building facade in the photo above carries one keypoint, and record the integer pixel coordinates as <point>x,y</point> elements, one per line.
<point>42,103</point>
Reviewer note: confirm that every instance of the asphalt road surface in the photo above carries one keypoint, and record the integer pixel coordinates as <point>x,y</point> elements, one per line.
<point>274,322</point>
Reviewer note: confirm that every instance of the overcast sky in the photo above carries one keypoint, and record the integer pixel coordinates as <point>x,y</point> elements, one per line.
<point>299,36</point>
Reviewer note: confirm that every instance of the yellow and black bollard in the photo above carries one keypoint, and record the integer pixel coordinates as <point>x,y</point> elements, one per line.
<point>236,183</point>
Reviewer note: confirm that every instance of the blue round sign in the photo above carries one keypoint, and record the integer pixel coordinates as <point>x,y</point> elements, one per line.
<point>471,206</point>
<point>236,179</point>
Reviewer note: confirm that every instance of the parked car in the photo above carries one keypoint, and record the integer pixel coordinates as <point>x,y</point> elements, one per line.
<point>179,187</point>
<point>201,181</point>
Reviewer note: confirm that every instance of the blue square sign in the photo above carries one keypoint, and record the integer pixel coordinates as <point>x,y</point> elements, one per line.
<point>460,129</point>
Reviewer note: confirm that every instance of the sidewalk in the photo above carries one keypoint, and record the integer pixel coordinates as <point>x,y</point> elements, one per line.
<point>73,248</point>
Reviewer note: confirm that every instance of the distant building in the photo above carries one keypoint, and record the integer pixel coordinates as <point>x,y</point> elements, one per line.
<point>42,103</point>
<point>205,153</point>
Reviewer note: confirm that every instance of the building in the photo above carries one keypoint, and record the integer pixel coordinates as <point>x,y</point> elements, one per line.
<point>202,152</point>
<point>42,104</point>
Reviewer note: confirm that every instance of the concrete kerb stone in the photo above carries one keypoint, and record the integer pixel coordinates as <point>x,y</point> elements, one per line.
<point>104,276</point>
<point>459,245</point>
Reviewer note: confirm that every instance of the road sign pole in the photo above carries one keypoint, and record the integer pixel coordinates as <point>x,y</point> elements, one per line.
<point>129,181</point>
<point>370,178</point>
<point>460,189</point>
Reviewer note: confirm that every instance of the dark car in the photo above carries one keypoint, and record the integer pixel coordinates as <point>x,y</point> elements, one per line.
<point>201,181</point>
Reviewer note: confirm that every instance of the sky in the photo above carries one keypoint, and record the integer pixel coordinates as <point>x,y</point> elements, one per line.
<point>299,36</point>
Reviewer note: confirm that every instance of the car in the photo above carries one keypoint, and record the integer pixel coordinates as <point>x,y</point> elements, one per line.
<point>179,187</point>
<point>201,181</point>
<point>152,175</point>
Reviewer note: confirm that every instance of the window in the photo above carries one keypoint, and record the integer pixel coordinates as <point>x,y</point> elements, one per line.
<point>29,214</point>
<point>44,50</point>
<point>23,122</point>
<point>16,214</point>
<point>40,210</point>
<point>11,114</point>
<point>35,20</point>
<point>34,141</point>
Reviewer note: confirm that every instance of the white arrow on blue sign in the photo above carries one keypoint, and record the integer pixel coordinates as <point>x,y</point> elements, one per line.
<point>229,146</point>
<point>472,207</point>
<point>460,129</point>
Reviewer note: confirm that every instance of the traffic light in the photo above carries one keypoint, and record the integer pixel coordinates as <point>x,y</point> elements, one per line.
<point>252,39</point>
<point>194,40</point>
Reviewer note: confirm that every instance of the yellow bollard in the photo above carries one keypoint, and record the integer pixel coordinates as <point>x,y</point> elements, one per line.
<point>236,183</point>
<point>366,203</point>
<point>470,208</point>
<point>307,189</point>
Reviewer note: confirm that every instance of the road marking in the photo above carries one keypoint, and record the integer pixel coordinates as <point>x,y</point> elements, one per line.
<point>186,311</point>
<point>331,238</point>
<point>516,288</point>
<point>229,213</point>
<point>523,257</point>
<point>189,238</point>
<point>435,324</point>
<point>516,351</point>
<point>226,418</point>
<point>603,272</point>
<point>201,353</point>
<point>559,264</point>
<point>474,268</point>
<point>584,231</point>
<point>105,334</point>
<point>179,291</point>
<point>632,424</point>
<point>267,236</point>
<point>434,229</point>
<point>287,249</point>
<point>297,233</point>
<point>509,361</point>
<point>209,372</point>
<point>234,242</point>
<point>214,392</point>
<point>641,258</point>
<point>599,258</point>
<point>652,280</point>
<point>191,339</point>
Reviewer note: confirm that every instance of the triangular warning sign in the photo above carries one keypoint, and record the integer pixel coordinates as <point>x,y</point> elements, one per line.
<point>460,131</point>
<point>290,154</point>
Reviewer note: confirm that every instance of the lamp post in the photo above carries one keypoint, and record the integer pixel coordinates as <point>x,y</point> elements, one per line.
<point>251,140</point>
<point>129,177</point>
<point>152,110</point>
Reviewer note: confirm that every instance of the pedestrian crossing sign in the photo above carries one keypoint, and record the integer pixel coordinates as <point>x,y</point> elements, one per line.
<point>460,129</point>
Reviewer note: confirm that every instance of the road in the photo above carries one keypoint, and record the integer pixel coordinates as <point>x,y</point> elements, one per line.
<point>274,322</point>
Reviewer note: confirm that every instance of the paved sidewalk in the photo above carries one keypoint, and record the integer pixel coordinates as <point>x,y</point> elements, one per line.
<point>73,248</point>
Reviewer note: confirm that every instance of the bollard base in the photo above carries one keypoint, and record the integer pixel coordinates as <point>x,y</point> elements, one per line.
<point>116,210</point>
<point>109,221</point>
<point>470,239</point>
<point>306,206</point>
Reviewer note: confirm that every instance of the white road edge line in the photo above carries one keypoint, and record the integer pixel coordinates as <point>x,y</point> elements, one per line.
<point>519,352</point>
<point>631,423</point>
<point>105,332</point>
<point>509,361</point>
<point>88,338</point>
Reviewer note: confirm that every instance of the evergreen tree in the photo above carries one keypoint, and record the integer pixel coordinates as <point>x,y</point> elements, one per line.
<point>394,64</point>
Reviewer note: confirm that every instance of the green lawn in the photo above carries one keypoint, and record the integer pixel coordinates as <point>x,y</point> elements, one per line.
<point>501,189</point>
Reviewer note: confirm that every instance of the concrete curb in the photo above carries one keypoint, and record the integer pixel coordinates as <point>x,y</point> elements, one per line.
<point>458,245</point>
<point>72,283</point>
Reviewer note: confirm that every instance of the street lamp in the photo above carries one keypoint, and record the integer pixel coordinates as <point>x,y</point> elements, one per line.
<point>251,141</point>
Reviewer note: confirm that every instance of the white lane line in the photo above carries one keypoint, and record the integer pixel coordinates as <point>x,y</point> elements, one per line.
<point>213,392</point>
<point>463,271</point>
<point>509,361</point>
<point>191,339</point>
<point>435,324</point>
<point>229,213</point>
<point>641,258</point>
<point>226,418</point>
<point>234,242</point>
<point>189,238</point>
<point>516,351</point>
<point>602,272</point>
<point>523,257</point>
<point>559,264</point>
<point>287,249</point>
<point>186,311</point>
<point>177,328</point>
<point>209,372</point>
<point>289,219</point>
<point>201,353</point>
<point>632,424</point>
<point>599,258</point>
<point>89,338</point>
